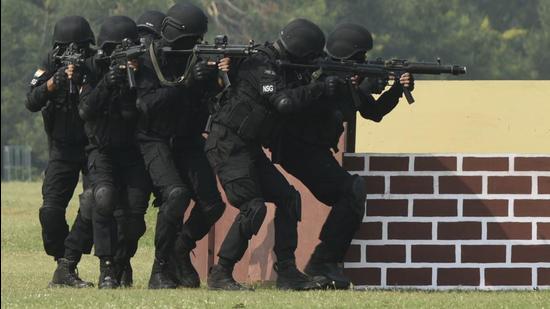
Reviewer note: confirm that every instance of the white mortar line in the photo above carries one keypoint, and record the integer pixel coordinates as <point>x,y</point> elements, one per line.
<point>511,164</point>
<point>508,253</point>
<point>434,277</point>
<point>534,185</point>
<point>383,276</point>
<point>484,230</point>
<point>458,253</point>
<point>459,162</point>
<point>436,184</point>
<point>411,163</point>
<point>434,230</point>
<point>363,254</point>
<point>458,219</point>
<point>511,202</point>
<point>366,160</point>
<point>452,287</point>
<point>384,230</point>
<point>386,185</point>
<point>465,196</point>
<point>460,207</point>
<point>451,173</point>
<point>448,265</point>
<point>500,242</point>
<point>484,184</point>
<point>534,277</point>
<point>482,277</point>
<point>476,155</point>
<point>408,257</point>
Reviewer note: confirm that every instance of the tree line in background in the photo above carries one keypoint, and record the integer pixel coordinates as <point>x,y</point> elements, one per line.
<point>495,39</point>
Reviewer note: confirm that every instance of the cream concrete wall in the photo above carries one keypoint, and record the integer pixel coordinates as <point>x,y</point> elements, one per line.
<point>464,116</point>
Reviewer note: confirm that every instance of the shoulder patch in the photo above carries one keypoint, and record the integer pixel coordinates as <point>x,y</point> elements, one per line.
<point>39,73</point>
<point>270,72</point>
<point>36,76</point>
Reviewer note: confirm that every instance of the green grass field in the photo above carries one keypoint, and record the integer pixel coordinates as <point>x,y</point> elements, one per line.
<point>26,271</point>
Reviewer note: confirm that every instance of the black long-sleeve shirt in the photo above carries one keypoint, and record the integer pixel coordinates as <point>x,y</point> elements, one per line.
<point>171,112</point>
<point>263,93</point>
<point>62,123</point>
<point>322,123</point>
<point>110,115</point>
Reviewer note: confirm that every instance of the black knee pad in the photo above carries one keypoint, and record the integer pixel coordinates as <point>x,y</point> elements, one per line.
<point>213,211</point>
<point>176,201</point>
<point>105,200</point>
<point>251,217</point>
<point>357,193</point>
<point>86,204</point>
<point>240,191</point>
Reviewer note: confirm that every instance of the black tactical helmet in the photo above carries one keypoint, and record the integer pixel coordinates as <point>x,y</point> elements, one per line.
<point>72,29</point>
<point>183,20</point>
<point>348,40</point>
<point>115,29</point>
<point>151,21</point>
<point>302,38</point>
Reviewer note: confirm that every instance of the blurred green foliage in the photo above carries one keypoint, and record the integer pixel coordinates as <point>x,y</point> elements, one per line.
<point>495,39</point>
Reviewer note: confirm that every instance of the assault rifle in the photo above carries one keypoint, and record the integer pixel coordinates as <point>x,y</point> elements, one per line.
<point>72,55</point>
<point>124,52</point>
<point>379,69</point>
<point>211,53</point>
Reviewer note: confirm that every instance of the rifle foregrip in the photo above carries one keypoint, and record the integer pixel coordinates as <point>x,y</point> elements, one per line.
<point>408,95</point>
<point>225,78</point>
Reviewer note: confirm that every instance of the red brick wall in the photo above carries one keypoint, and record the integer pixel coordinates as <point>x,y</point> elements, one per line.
<point>444,221</point>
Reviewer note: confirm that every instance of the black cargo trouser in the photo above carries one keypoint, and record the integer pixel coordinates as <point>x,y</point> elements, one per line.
<point>61,178</point>
<point>249,180</point>
<point>180,172</point>
<point>316,167</point>
<point>121,190</point>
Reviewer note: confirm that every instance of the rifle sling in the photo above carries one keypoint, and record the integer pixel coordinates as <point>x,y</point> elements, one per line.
<point>160,76</point>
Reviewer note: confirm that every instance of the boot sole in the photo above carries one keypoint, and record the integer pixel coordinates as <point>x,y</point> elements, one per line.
<point>222,289</point>
<point>326,283</point>
<point>52,285</point>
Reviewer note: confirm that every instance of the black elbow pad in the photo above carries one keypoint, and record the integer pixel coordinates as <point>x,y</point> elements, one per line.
<point>283,103</point>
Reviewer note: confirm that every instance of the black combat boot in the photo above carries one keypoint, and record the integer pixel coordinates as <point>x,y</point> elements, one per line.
<point>66,275</point>
<point>160,277</point>
<point>290,278</point>
<point>107,275</point>
<point>185,273</point>
<point>332,274</point>
<point>221,278</point>
<point>125,274</point>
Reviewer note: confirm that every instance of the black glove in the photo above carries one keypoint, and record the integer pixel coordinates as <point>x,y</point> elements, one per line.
<point>331,85</point>
<point>114,77</point>
<point>373,85</point>
<point>60,79</point>
<point>203,71</point>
